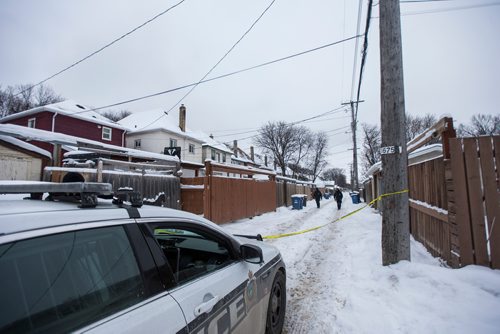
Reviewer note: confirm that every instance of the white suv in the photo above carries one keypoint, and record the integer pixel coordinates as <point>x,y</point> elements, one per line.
<point>119,268</point>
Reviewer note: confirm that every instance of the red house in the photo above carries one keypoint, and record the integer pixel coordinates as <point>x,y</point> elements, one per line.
<point>71,118</point>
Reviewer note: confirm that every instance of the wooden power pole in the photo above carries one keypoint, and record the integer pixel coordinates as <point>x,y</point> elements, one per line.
<point>395,215</point>
<point>354,127</point>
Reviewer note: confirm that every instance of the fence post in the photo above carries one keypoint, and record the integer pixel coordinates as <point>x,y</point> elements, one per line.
<point>207,191</point>
<point>99,170</point>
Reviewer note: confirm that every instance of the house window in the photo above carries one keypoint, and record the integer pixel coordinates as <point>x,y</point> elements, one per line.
<point>173,142</point>
<point>32,123</point>
<point>191,148</point>
<point>218,157</point>
<point>223,157</point>
<point>137,143</point>
<point>106,133</point>
<point>213,155</point>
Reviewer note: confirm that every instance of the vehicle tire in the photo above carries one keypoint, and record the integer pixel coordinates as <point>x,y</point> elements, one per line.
<point>277,305</point>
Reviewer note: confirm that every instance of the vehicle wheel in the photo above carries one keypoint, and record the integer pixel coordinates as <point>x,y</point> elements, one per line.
<point>277,305</point>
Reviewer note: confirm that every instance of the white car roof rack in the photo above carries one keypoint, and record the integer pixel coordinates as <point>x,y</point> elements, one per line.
<point>85,192</point>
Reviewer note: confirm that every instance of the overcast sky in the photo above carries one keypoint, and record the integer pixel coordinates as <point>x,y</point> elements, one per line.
<point>451,59</point>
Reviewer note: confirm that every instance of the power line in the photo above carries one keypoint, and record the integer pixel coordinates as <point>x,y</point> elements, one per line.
<point>224,75</point>
<point>450,9</point>
<point>444,10</point>
<point>363,57</point>
<point>358,26</point>
<point>223,57</point>
<point>415,1</point>
<point>102,48</point>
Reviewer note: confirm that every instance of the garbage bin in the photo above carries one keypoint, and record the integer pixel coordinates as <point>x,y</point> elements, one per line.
<point>304,200</point>
<point>355,197</point>
<point>297,202</point>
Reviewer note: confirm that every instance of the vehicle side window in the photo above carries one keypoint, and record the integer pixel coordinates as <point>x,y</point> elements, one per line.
<point>191,253</point>
<point>62,282</point>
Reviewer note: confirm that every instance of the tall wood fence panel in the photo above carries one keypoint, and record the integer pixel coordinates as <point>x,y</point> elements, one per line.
<point>285,189</point>
<point>428,206</point>
<point>192,194</point>
<point>474,200</point>
<point>227,192</point>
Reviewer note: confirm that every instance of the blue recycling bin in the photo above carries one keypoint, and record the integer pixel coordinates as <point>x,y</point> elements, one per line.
<point>355,198</point>
<point>297,202</point>
<point>326,195</point>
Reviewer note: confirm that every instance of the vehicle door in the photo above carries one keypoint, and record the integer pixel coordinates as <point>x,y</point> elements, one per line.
<point>95,277</point>
<point>216,290</point>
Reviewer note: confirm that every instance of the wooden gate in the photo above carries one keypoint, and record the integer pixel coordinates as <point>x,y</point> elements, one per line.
<point>474,200</point>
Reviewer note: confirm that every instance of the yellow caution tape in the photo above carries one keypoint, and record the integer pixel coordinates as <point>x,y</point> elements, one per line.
<point>282,235</point>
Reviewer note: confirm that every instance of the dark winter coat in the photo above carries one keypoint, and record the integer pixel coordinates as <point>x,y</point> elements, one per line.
<point>338,195</point>
<point>317,194</point>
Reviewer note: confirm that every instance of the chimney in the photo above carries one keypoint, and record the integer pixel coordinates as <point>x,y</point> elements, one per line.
<point>235,148</point>
<point>265,160</point>
<point>252,156</point>
<point>182,118</point>
<point>212,136</point>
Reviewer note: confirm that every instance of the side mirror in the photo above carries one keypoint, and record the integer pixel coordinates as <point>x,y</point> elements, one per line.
<point>251,253</point>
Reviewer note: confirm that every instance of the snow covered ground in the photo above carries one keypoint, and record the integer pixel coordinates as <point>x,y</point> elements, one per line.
<point>337,284</point>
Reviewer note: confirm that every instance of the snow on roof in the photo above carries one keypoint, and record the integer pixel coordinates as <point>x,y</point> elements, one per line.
<point>156,120</point>
<point>25,145</point>
<point>68,108</point>
<point>209,141</point>
<point>59,138</point>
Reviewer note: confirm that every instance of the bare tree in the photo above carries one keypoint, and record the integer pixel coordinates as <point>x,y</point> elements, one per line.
<point>11,102</point>
<point>281,140</point>
<point>115,115</point>
<point>481,125</point>
<point>371,146</point>
<point>46,95</point>
<point>305,140</point>
<point>415,125</point>
<point>337,175</point>
<point>317,160</point>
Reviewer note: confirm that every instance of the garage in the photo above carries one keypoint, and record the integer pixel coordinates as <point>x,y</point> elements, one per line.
<point>20,160</point>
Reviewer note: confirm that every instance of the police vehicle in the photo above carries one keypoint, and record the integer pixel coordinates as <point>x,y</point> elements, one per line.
<point>115,267</point>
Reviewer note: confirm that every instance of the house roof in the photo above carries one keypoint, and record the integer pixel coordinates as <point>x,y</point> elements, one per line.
<point>26,146</point>
<point>68,108</point>
<point>208,141</point>
<point>26,133</point>
<point>156,120</point>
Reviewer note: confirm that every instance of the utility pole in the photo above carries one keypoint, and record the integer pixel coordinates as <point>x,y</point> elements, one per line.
<point>395,215</point>
<point>354,125</point>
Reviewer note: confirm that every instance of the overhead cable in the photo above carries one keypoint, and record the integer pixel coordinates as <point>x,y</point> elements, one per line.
<point>223,57</point>
<point>102,48</point>
<point>364,54</point>
<point>227,74</point>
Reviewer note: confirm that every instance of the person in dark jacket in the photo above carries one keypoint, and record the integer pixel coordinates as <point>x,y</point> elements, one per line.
<point>317,196</point>
<point>338,197</point>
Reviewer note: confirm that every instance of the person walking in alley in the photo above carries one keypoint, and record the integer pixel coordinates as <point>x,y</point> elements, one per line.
<point>338,197</point>
<point>317,196</point>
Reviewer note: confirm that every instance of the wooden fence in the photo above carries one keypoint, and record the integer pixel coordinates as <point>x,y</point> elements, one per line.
<point>428,206</point>
<point>192,189</point>
<point>455,198</point>
<point>285,189</point>
<point>227,193</point>
<point>474,200</point>
<point>228,198</point>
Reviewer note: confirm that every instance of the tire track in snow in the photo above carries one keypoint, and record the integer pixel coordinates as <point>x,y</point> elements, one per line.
<point>308,289</point>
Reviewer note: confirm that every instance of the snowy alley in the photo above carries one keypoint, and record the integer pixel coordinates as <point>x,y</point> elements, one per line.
<point>337,284</point>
